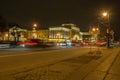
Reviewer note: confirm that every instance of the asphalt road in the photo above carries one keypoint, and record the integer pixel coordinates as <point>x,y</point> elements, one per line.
<point>63,64</point>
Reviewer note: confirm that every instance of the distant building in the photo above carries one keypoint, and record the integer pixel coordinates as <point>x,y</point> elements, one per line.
<point>87,37</point>
<point>17,34</point>
<point>38,34</point>
<point>59,34</point>
<point>74,32</point>
<point>64,33</point>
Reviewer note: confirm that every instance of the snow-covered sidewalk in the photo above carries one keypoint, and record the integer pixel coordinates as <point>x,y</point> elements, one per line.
<point>81,66</point>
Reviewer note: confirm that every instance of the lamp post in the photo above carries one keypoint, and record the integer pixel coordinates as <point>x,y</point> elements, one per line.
<point>95,31</point>
<point>34,30</point>
<point>107,15</point>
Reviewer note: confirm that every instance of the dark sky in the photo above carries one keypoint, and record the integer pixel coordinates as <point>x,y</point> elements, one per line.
<point>55,12</point>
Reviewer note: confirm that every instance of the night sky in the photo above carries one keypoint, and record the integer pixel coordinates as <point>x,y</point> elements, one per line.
<point>55,12</point>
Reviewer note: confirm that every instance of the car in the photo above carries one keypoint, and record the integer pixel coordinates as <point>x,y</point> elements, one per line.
<point>115,43</point>
<point>4,45</point>
<point>27,44</point>
<point>35,43</point>
<point>100,43</point>
<point>87,43</point>
<point>75,44</point>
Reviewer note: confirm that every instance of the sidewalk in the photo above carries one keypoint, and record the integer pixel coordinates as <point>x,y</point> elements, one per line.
<point>107,70</point>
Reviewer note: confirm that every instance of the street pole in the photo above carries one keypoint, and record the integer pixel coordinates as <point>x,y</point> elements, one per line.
<point>34,31</point>
<point>106,14</point>
<point>108,31</point>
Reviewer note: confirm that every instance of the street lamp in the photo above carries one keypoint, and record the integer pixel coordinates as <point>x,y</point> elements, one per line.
<point>35,25</point>
<point>34,31</point>
<point>94,32</point>
<point>107,15</point>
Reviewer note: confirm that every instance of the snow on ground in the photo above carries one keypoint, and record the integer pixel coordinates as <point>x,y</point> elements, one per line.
<point>61,69</point>
<point>58,71</point>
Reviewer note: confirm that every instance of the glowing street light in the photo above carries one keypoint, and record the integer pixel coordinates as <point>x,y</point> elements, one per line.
<point>34,25</point>
<point>94,31</point>
<point>105,13</point>
<point>6,35</point>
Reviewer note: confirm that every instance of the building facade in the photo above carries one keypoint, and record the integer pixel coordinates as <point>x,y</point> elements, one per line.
<point>38,34</point>
<point>59,34</point>
<point>17,34</point>
<point>74,32</point>
<point>64,33</point>
<point>88,37</point>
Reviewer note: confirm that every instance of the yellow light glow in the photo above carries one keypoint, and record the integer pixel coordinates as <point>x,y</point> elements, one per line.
<point>6,35</point>
<point>93,29</point>
<point>35,25</point>
<point>97,28</point>
<point>105,14</point>
<point>58,34</point>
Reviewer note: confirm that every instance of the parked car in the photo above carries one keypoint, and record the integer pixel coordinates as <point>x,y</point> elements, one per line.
<point>115,43</point>
<point>4,45</point>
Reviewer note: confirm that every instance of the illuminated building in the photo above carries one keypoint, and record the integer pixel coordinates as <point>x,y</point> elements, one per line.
<point>64,33</point>
<point>88,37</point>
<point>59,34</point>
<point>39,34</point>
<point>74,32</point>
<point>17,34</point>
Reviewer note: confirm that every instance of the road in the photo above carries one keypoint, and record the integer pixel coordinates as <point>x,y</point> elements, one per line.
<point>60,64</point>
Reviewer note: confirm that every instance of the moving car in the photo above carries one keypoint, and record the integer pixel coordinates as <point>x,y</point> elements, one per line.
<point>101,43</point>
<point>27,44</point>
<point>35,43</point>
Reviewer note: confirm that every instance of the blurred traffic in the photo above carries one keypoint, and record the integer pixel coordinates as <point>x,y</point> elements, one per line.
<point>33,43</point>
